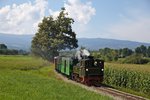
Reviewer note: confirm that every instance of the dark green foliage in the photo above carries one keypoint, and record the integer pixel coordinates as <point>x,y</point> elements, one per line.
<point>135,59</point>
<point>148,51</point>
<point>13,52</point>
<point>106,54</point>
<point>54,35</point>
<point>141,50</point>
<point>5,51</point>
<point>125,52</point>
<point>138,50</point>
<point>9,52</point>
<point>3,47</point>
<point>125,55</point>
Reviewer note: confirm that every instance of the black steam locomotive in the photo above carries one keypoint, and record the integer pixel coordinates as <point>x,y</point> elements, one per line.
<point>84,69</point>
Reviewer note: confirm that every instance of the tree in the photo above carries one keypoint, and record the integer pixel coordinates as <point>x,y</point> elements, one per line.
<point>135,59</point>
<point>54,35</point>
<point>126,52</point>
<point>148,51</point>
<point>144,50</point>
<point>3,46</point>
<point>141,50</point>
<point>108,54</point>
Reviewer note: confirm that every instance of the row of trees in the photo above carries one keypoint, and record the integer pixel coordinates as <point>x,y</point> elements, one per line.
<point>5,51</point>
<point>139,54</point>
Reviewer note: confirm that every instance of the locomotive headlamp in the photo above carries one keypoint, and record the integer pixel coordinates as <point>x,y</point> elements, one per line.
<point>95,63</point>
<point>87,69</point>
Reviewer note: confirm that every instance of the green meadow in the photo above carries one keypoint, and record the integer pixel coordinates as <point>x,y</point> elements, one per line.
<point>28,78</point>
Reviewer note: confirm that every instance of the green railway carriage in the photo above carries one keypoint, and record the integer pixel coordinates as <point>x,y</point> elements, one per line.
<point>62,70</point>
<point>68,66</point>
<point>57,61</point>
<point>64,65</point>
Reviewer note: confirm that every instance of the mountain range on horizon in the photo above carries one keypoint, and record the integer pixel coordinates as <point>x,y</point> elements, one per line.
<point>24,42</point>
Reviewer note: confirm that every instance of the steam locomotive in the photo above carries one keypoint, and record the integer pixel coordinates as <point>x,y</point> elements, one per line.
<point>82,68</point>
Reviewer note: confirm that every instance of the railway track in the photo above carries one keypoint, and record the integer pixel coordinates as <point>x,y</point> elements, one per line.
<point>119,94</point>
<point>105,90</point>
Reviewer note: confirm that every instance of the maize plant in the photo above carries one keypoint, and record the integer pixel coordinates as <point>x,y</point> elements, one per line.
<point>131,79</point>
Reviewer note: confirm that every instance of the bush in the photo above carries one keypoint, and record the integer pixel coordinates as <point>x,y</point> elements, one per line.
<point>135,59</point>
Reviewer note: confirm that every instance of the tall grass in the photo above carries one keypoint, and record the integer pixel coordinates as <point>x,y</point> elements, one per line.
<point>27,78</point>
<point>134,77</point>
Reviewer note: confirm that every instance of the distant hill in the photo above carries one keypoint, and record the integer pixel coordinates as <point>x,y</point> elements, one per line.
<point>24,42</point>
<point>16,41</point>
<point>97,43</point>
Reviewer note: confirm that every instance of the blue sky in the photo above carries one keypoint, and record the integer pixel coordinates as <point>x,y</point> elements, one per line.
<point>115,19</point>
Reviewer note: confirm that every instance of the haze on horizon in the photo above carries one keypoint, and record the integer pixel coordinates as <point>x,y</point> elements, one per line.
<point>114,19</point>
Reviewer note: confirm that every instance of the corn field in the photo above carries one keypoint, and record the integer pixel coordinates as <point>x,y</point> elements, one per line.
<point>133,79</point>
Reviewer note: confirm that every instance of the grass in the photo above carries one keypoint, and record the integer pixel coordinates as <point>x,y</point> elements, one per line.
<point>27,78</point>
<point>129,78</point>
<point>21,62</point>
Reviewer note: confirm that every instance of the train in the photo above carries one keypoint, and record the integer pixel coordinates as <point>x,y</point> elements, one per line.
<point>82,68</point>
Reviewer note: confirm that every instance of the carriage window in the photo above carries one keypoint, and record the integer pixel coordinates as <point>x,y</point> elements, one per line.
<point>65,66</point>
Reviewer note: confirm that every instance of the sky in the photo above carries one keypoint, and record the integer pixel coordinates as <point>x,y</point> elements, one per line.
<point>113,19</point>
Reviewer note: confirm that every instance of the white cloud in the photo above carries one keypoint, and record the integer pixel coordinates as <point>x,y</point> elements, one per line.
<point>54,13</point>
<point>135,27</point>
<point>23,18</point>
<point>81,12</point>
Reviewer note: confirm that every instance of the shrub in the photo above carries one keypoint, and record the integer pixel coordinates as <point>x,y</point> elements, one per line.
<point>135,59</point>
